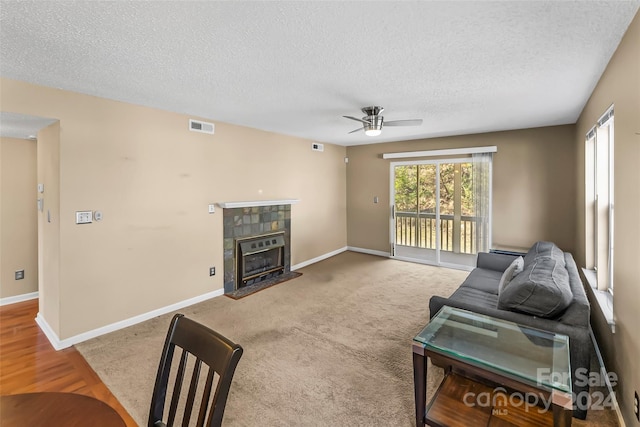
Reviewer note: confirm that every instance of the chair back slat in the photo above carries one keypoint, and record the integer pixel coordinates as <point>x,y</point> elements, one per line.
<point>206,396</point>
<point>207,346</point>
<point>177,387</point>
<point>192,394</point>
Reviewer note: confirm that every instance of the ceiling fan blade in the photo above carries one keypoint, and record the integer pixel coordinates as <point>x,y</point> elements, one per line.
<point>414,122</point>
<point>357,130</point>
<point>357,120</point>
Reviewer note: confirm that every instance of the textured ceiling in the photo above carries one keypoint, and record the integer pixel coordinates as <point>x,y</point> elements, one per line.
<point>297,67</point>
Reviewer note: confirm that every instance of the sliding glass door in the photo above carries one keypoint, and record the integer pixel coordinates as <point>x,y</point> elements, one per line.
<point>416,231</point>
<point>441,210</point>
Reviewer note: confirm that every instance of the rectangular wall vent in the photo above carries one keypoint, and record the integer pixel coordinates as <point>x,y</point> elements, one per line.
<point>204,127</point>
<point>317,146</point>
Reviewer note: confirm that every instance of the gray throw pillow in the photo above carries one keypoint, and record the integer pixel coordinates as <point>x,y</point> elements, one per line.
<point>514,269</point>
<point>542,289</point>
<point>543,249</point>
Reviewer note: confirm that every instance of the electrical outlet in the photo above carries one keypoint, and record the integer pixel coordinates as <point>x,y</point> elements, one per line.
<point>636,408</point>
<point>19,274</point>
<point>212,271</point>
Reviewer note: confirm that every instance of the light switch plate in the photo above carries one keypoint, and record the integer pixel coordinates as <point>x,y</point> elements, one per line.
<point>84,217</point>
<point>212,208</point>
<point>40,188</point>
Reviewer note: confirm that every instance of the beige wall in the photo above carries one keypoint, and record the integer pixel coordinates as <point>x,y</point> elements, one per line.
<point>533,186</point>
<point>18,223</point>
<point>152,179</point>
<point>619,85</point>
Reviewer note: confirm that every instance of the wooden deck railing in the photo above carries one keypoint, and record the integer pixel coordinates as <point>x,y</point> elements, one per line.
<point>419,230</point>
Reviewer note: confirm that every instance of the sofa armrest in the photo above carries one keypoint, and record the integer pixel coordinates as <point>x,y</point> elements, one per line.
<point>496,262</point>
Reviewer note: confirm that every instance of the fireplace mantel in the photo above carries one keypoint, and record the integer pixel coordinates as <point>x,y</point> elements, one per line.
<point>250,204</point>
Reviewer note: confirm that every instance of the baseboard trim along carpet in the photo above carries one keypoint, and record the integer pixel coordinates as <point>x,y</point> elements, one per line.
<point>368,251</point>
<point>318,259</point>
<point>59,344</point>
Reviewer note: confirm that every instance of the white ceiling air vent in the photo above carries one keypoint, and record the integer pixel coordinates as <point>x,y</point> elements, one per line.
<point>198,126</point>
<point>317,146</point>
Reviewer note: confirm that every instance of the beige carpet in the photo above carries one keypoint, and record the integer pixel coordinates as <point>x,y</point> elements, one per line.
<point>332,347</point>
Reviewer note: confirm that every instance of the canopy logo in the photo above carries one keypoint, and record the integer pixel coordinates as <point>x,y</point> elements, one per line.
<point>499,400</point>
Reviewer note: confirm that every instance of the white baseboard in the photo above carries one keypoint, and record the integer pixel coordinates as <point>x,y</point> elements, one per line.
<point>318,258</point>
<point>368,251</point>
<point>603,372</point>
<point>18,298</point>
<point>59,344</point>
<point>48,331</point>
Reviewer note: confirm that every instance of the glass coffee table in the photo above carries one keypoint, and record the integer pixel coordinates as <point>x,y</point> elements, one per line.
<point>496,372</point>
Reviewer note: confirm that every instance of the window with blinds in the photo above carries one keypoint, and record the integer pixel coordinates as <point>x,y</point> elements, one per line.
<point>599,206</point>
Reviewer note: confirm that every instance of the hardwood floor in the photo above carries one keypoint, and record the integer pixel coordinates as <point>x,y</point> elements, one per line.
<point>28,362</point>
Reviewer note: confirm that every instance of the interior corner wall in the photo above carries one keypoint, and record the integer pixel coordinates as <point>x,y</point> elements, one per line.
<point>153,180</point>
<point>18,220</point>
<point>620,86</point>
<point>48,172</point>
<point>533,186</point>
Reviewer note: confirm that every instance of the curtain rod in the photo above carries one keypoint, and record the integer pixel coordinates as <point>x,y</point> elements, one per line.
<point>446,152</point>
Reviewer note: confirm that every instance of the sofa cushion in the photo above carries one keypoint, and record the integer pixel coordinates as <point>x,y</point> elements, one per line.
<point>513,270</point>
<point>475,296</point>
<point>483,280</point>
<point>544,249</point>
<point>542,289</point>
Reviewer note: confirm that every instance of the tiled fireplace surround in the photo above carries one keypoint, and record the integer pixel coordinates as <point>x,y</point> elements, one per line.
<point>242,222</point>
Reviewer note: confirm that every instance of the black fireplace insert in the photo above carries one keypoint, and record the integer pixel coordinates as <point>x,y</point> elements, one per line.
<point>259,258</point>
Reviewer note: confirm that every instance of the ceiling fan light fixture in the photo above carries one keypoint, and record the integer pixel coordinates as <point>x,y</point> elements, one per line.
<point>374,127</point>
<point>372,123</point>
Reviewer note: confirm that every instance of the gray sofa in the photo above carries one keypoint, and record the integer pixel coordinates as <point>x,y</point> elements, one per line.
<point>479,293</point>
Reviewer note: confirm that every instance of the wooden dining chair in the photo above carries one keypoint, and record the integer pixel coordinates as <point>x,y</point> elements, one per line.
<point>200,345</point>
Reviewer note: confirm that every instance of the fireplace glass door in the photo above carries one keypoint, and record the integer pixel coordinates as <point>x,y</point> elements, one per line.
<point>259,258</point>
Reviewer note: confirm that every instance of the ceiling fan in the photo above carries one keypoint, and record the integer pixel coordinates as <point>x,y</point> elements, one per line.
<point>373,121</point>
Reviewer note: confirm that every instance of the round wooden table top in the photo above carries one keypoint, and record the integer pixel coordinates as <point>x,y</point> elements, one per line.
<point>56,409</point>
